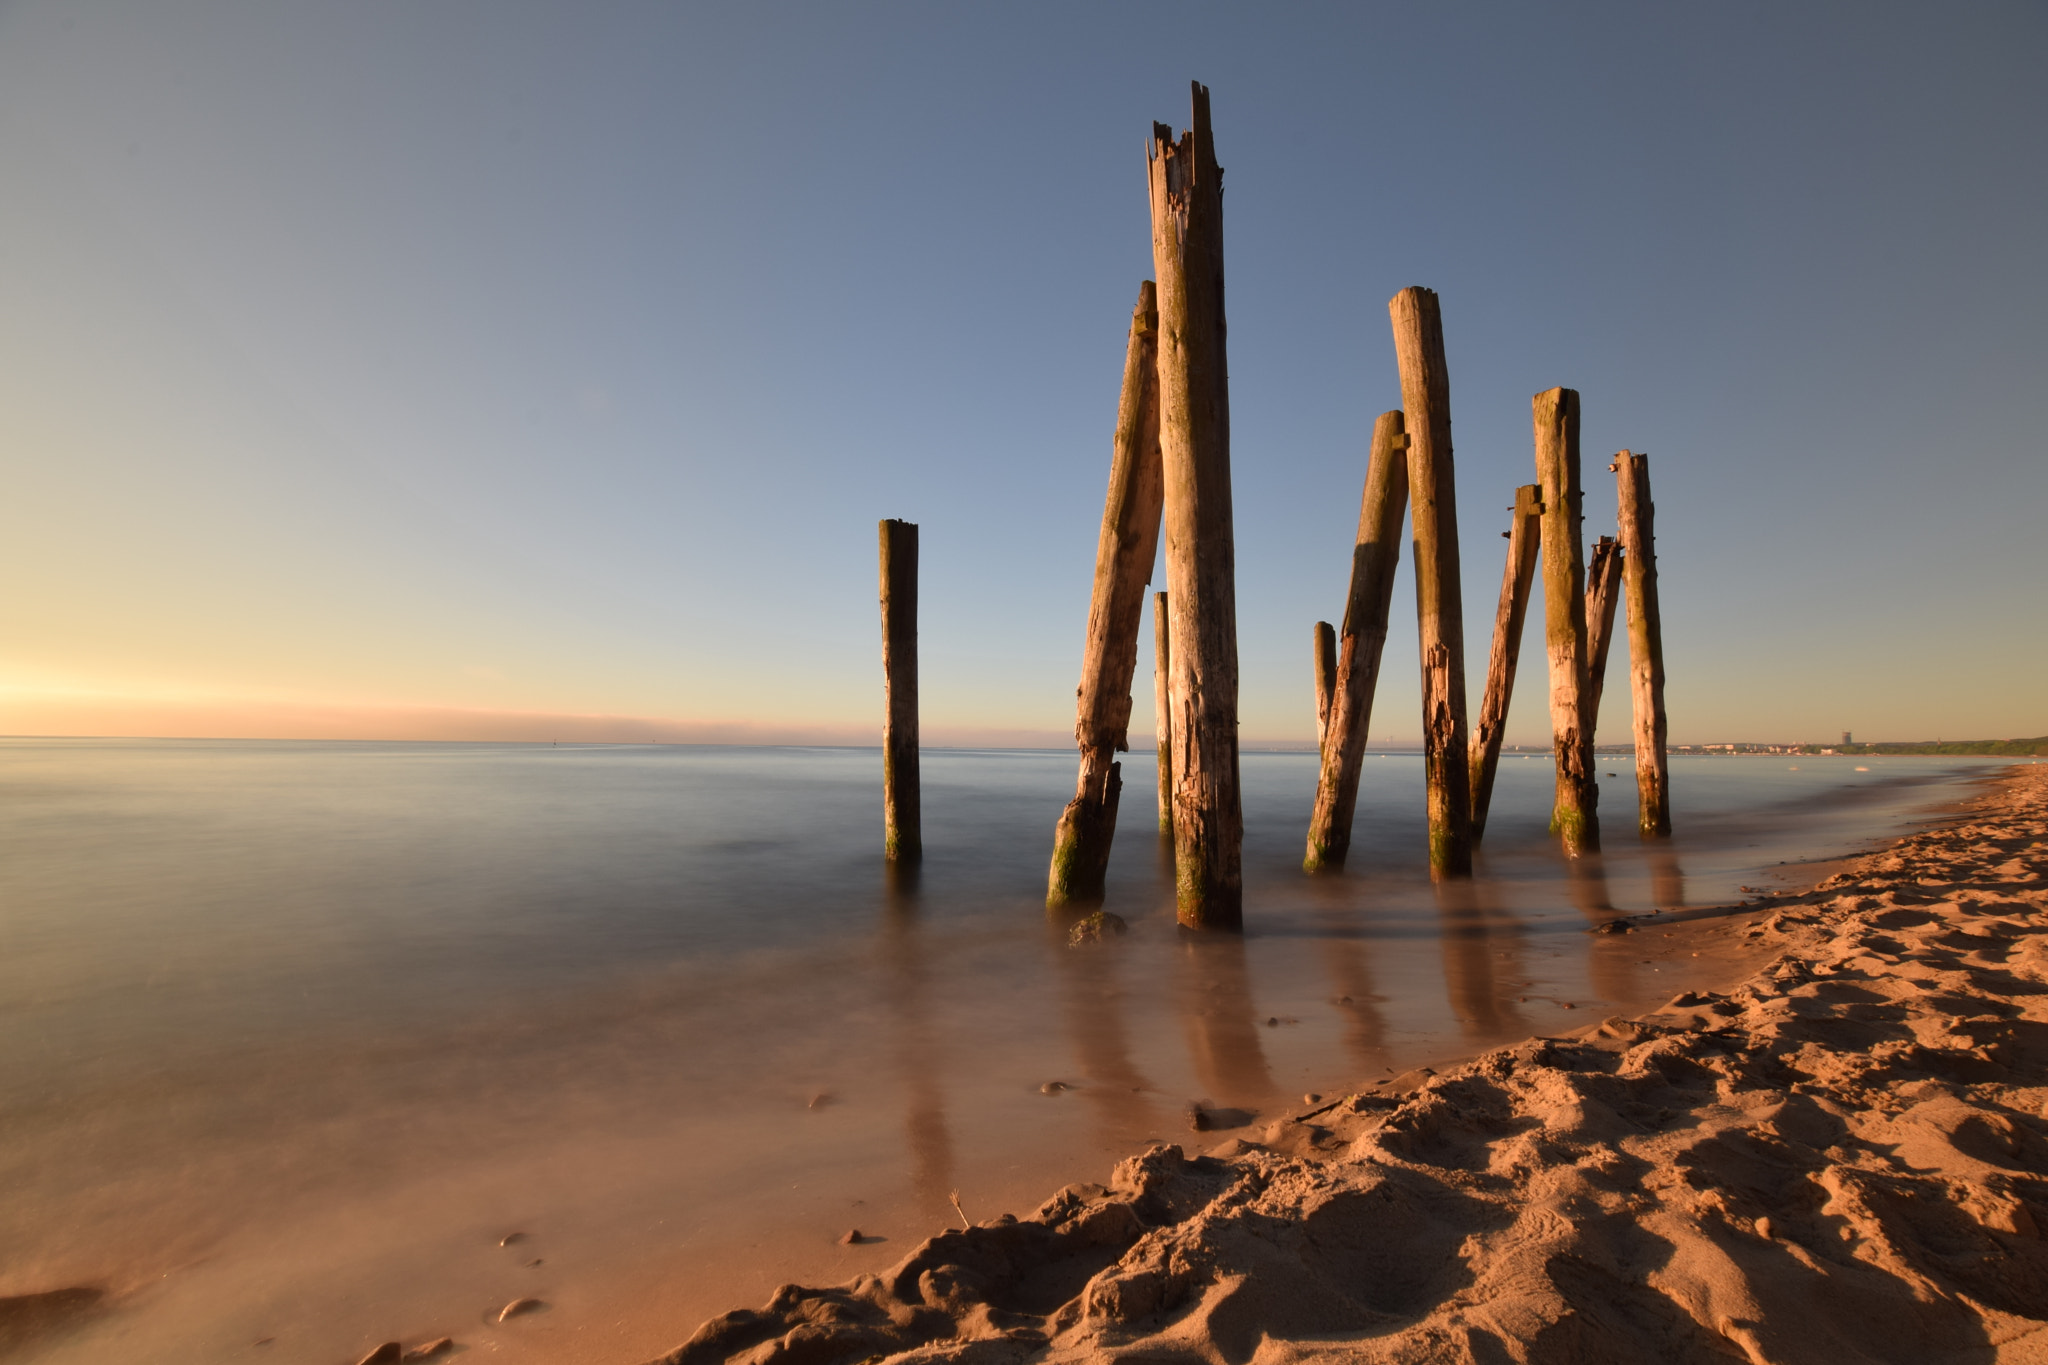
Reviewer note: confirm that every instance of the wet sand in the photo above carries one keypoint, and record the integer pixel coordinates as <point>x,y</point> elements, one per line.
<point>1843,1158</point>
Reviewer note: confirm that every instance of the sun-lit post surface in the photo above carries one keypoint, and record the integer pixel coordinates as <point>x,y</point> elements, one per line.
<point>1194,432</point>
<point>1515,582</point>
<point>1123,563</point>
<point>1326,676</point>
<point>1433,518</point>
<point>1573,818</point>
<point>1645,645</point>
<point>902,812</point>
<point>1162,707</point>
<point>1603,592</point>
<point>1375,557</point>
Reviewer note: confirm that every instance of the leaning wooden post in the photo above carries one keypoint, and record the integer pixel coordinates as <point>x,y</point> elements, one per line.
<point>902,809</point>
<point>1645,645</point>
<point>1194,435</point>
<point>1123,562</point>
<point>1574,817</point>
<point>1603,592</point>
<point>1374,559</point>
<point>1523,537</point>
<point>1326,676</point>
<point>1433,518</point>
<point>1162,707</point>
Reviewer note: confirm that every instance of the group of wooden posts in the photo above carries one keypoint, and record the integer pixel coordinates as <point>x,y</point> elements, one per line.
<point>1171,466</point>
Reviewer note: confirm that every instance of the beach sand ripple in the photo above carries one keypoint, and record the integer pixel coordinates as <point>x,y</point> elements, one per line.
<point>1845,1159</point>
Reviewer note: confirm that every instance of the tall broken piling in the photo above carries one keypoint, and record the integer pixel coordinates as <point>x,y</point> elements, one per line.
<point>1375,557</point>
<point>1124,552</point>
<point>1524,537</point>
<point>1603,593</point>
<point>1645,645</point>
<point>1186,188</point>
<point>902,806</point>
<point>1574,817</point>
<point>1433,518</point>
<point>1162,707</point>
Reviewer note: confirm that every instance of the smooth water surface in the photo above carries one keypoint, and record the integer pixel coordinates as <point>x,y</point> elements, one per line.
<point>295,1033</point>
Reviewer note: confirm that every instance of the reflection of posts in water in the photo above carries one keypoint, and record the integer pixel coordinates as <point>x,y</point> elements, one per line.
<point>1611,960</point>
<point>1365,1028</point>
<point>1667,879</point>
<point>1473,934</point>
<point>905,980</point>
<point>1116,1089</point>
<point>1217,1013</point>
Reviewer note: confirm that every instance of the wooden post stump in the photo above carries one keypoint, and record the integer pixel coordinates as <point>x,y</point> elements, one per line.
<point>1603,592</point>
<point>1645,646</point>
<point>902,804</point>
<point>1123,563</point>
<point>1433,518</point>
<point>1574,817</point>
<point>1201,573</point>
<point>1374,559</point>
<point>1326,676</point>
<point>1162,707</point>
<point>1524,537</point>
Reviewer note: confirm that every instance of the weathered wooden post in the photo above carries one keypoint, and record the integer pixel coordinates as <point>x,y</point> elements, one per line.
<point>1326,676</point>
<point>1523,537</point>
<point>1162,707</point>
<point>1433,519</point>
<point>1645,646</point>
<point>1201,571</point>
<point>1124,551</point>
<point>1574,817</point>
<point>1374,559</point>
<point>1603,592</point>
<point>902,808</point>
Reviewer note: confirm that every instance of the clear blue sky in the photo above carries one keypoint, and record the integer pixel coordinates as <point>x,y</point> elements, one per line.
<point>415,359</point>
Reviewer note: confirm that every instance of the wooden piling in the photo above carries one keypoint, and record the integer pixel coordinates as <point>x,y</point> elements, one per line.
<point>1124,552</point>
<point>1326,676</point>
<point>1645,646</point>
<point>902,805</point>
<point>1374,559</point>
<point>1162,707</point>
<point>1194,430</point>
<point>1524,536</point>
<point>1433,520</point>
<point>1603,592</point>
<point>1574,815</point>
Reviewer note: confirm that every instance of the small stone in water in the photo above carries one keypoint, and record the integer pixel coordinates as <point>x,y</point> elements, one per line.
<point>1053,1087</point>
<point>1311,1098</point>
<point>428,1350</point>
<point>510,1238</point>
<point>852,1238</point>
<point>517,1307</point>
<point>390,1353</point>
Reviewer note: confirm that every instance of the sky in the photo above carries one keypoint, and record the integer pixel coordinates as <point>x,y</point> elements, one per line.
<point>484,370</point>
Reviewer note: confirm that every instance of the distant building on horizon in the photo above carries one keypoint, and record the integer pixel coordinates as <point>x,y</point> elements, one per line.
<point>1847,739</point>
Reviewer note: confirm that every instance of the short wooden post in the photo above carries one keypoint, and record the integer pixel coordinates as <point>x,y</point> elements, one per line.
<point>1124,551</point>
<point>1374,559</point>
<point>1201,572</point>
<point>1433,519</point>
<point>1162,707</point>
<point>902,808</point>
<point>1603,592</point>
<point>1523,539</point>
<point>1326,676</point>
<point>1645,646</point>
<point>1574,816</point>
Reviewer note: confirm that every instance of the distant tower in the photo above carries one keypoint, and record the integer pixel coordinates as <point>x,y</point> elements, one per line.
<point>1847,740</point>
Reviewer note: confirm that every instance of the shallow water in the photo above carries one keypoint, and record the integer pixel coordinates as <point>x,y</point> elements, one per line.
<point>295,1033</point>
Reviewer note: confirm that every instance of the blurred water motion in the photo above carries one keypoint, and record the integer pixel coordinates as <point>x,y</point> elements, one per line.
<point>296,1033</point>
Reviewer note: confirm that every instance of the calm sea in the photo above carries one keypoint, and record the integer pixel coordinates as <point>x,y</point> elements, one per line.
<point>292,1035</point>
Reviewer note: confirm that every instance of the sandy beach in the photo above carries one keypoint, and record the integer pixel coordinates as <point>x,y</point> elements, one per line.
<point>1843,1158</point>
